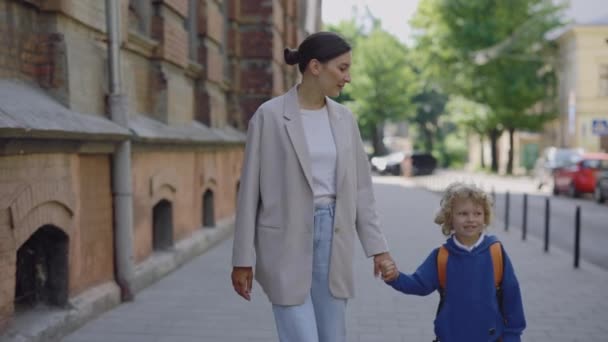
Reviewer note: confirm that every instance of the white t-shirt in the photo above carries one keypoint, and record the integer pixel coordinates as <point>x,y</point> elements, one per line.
<point>322,150</point>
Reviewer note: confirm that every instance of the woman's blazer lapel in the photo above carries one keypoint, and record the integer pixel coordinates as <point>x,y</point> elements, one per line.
<point>295,131</point>
<point>341,134</point>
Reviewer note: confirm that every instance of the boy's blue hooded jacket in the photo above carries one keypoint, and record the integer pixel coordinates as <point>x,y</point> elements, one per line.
<point>470,311</point>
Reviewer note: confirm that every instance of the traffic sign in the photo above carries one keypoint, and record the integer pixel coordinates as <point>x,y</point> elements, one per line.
<point>599,126</point>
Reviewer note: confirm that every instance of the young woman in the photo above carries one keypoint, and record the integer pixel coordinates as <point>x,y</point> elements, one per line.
<point>305,194</point>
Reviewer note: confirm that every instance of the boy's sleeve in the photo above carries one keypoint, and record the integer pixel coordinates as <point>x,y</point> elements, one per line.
<point>513,310</point>
<point>423,282</point>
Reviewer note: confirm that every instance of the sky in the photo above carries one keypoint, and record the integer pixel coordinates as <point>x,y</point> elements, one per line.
<point>395,14</point>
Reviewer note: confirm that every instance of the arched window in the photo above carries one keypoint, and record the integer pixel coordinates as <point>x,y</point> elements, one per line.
<point>162,225</point>
<point>42,269</point>
<point>208,209</point>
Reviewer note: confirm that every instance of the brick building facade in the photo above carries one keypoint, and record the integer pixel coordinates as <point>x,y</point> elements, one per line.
<point>192,71</point>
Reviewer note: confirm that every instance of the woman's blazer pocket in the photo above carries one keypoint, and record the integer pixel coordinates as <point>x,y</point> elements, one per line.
<point>268,227</point>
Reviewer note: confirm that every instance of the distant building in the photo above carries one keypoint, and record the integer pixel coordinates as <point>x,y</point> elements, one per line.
<point>582,71</point>
<point>583,86</point>
<point>114,170</point>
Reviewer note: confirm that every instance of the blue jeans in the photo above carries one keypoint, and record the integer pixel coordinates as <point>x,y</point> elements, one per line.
<point>322,316</point>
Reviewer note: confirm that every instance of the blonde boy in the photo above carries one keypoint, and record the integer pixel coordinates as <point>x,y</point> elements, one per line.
<point>472,307</point>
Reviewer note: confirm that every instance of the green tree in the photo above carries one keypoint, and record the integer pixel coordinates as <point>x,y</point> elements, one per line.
<point>353,32</point>
<point>430,104</point>
<point>382,84</point>
<point>493,54</point>
<point>382,79</point>
<point>473,117</point>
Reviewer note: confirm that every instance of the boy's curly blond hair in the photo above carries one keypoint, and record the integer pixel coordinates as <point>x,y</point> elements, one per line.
<point>460,190</point>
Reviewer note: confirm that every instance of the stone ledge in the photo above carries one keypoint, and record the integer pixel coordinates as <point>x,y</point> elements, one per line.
<point>45,324</point>
<point>27,111</point>
<point>145,129</point>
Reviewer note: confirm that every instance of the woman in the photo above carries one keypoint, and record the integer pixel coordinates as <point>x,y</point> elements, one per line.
<point>305,192</point>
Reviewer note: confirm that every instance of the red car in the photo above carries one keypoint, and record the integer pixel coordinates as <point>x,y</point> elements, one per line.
<point>579,176</point>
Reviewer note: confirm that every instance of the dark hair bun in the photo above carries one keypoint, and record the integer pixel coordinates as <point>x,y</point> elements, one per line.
<point>291,56</point>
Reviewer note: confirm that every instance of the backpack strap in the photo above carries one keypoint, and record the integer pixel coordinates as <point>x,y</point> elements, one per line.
<point>497,262</point>
<point>442,261</point>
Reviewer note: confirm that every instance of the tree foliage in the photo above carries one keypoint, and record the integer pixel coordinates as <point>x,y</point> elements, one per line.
<point>382,79</point>
<point>493,53</point>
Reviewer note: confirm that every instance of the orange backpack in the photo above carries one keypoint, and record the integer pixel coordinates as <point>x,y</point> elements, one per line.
<point>497,262</point>
<point>495,251</point>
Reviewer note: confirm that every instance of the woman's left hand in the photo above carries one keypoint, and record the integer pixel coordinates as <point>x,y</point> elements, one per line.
<point>378,259</point>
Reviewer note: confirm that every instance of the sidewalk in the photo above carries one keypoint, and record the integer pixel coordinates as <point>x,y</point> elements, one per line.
<point>197,303</point>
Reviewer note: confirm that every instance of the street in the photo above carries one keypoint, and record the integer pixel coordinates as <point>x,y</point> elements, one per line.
<point>197,303</point>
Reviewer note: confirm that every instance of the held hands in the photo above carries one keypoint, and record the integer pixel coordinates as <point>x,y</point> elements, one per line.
<point>385,266</point>
<point>389,270</point>
<point>242,280</point>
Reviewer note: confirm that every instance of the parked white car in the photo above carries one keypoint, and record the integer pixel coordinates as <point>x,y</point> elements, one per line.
<point>551,159</point>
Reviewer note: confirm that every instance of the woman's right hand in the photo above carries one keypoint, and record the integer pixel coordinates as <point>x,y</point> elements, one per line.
<point>242,280</point>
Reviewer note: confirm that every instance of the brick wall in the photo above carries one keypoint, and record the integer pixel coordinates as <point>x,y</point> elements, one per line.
<point>181,178</point>
<point>181,99</point>
<point>55,189</point>
<point>212,55</point>
<point>137,81</point>
<point>260,30</point>
<point>93,263</point>
<point>180,6</point>
<point>168,29</point>
<point>42,42</point>
<point>234,53</point>
<point>210,168</point>
<point>88,12</point>
<point>7,260</point>
<point>255,68</point>
<point>60,45</point>
<point>29,51</point>
<point>215,21</point>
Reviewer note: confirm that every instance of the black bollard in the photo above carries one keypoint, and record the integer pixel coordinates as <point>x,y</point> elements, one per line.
<point>524,225</point>
<point>507,211</point>
<point>577,236</point>
<point>547,213</point>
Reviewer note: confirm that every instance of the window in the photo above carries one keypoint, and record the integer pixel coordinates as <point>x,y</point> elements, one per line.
<point>603,83</point>
<point>42,269</point>
<point>162,226</point>
<point>139,16</point>
<point>191,26</point>
<point>208,209</point>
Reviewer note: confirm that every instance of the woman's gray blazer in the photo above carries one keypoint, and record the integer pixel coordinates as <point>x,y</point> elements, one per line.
<point>275,210</point>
